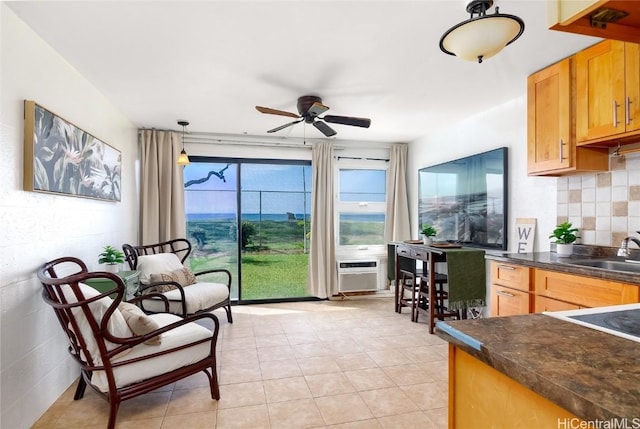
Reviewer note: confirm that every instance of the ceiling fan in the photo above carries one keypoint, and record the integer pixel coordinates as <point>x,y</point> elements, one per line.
<point>310,108</point>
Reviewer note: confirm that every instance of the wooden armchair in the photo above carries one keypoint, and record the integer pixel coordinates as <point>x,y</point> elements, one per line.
<point>162,271</point>
<point>123,353</point>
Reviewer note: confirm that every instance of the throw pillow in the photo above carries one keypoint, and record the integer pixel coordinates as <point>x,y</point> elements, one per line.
<point>157,263</point>
<point>138,322</point>
<point>183,276</point>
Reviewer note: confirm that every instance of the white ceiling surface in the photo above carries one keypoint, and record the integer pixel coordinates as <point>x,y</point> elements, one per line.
<point>212,62</point>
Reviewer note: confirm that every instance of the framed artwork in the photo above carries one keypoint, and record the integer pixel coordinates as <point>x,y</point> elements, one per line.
<point>63,159</point>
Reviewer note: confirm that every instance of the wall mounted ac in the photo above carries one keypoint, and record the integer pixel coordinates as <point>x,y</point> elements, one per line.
<point>358,275</point>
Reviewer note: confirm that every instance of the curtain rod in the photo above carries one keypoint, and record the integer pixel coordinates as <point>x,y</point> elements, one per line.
<point>360,158</point>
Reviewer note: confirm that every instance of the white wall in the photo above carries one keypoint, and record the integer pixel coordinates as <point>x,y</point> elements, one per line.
<point>504,125</point>
<point>34,365</point>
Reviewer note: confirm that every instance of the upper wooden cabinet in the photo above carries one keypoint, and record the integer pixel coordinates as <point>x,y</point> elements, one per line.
<point>608,92</point>
<point>589,17</point>
<point>551,148</point>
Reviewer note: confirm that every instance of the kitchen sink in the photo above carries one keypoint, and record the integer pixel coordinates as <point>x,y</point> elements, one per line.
<point>608,264</point>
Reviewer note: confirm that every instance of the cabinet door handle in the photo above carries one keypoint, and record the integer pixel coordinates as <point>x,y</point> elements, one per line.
<point>562,144</point>
<point>627,111</point>
<point>507,267</point>
<point>615,114</point>
<point>503,293</point>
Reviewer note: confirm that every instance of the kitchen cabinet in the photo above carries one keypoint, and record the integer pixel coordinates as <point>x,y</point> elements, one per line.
<point>580,291</point>
<point>542,303</point>
<point>481,396</point>
<point>551,148</point>
<point>510,289</point>
<point>608,93</point>
<point>586,17</point>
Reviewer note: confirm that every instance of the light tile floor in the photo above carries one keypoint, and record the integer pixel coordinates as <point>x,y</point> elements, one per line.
<point>349,364</point>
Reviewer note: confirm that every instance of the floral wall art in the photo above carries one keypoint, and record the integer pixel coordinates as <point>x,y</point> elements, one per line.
<point>62,158</point>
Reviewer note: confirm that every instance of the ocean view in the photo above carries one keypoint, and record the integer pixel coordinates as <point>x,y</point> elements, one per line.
<point>255,217</point>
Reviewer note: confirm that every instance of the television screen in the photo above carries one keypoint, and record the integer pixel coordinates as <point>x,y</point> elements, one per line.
<point>465,200</point>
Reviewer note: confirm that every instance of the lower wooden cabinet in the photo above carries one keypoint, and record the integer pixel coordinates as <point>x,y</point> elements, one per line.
<point>583,291</point>
<point>542,303</point>
<point>516,289</point>
<point>509,302</point>
<point>482,397</point>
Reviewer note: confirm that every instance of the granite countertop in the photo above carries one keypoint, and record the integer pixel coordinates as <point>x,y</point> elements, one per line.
<point>551,261</point>
<point>592,374</point>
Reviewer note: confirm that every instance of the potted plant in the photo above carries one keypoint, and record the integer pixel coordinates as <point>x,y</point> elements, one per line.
<point>111,257</point>
<point>564,235</point>
<point>428,232</point>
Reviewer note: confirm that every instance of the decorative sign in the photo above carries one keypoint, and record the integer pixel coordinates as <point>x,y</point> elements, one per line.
<point>526,234</point>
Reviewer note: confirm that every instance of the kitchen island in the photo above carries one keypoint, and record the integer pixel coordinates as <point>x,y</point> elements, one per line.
<point>535,371</point>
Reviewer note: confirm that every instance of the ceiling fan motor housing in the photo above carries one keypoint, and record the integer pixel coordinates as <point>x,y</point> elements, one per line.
<point>304,104</point>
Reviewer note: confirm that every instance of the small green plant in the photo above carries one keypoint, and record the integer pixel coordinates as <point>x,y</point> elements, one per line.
<point>428,230</point>
<point>564,233</point>
<point>111,255</point>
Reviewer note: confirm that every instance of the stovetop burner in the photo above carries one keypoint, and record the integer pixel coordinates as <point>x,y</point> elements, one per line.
<point>626,321</point>
<point>620,320</point>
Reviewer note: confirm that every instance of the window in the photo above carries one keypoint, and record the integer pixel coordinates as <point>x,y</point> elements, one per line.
<point>361,204</point>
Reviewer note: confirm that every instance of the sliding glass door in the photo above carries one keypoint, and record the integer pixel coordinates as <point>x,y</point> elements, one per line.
<point>251,217</point>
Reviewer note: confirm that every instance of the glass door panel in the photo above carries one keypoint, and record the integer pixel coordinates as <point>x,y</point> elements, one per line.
<point>211,207</point>
<point>275,201</point>
<point>254,212</point>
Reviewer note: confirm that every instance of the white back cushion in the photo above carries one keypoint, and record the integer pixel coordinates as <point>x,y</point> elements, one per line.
<point>156,264</point>
<point>117,326</point>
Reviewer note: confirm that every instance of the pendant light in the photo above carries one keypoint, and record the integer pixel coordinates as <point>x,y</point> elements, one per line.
<point>183,159</point>
<point>481,36</point>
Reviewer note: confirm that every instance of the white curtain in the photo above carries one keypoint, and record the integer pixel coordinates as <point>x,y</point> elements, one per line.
<point>396,227</point>
<point>161,187</point>
<point>323,280</point>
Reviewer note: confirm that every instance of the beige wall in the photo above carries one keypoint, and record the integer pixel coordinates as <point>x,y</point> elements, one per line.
<point>34,227</point>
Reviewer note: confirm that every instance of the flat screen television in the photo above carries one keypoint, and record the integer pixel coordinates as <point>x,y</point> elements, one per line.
<point>465,200</point>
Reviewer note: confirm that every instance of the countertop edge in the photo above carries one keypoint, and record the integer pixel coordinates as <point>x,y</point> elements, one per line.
<point>558,394</point>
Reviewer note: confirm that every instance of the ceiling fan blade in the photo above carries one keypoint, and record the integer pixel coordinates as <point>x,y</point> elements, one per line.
<point>271,111</point>
<point>348,120</point>
<point>324,128</point>
<point>317,109</point>
<point>282,127</point>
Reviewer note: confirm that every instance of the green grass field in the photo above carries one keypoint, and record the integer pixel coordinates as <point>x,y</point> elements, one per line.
<point>274,262</point>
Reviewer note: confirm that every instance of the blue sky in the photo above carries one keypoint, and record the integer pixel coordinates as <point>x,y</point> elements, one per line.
<point>255,177</point>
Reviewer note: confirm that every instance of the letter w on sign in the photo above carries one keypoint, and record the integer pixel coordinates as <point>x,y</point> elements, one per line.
<point>526,232</point>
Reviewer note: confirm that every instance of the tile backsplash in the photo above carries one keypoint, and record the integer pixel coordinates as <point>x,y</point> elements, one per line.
<point>605,206</point>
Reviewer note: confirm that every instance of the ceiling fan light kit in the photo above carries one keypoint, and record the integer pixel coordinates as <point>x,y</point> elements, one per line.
<point>481,36</point>
<point>310,108</point>
<point>183,158</point>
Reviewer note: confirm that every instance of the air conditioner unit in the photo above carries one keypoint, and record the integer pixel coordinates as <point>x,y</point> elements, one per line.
<point>358,276</point>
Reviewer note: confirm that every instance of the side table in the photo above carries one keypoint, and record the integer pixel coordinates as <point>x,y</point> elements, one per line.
<point>131,280</point>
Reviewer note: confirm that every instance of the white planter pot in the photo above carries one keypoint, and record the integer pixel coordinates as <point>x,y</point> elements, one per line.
<point>564,250</point>
<point>427,240</point>
<point>111,268</point>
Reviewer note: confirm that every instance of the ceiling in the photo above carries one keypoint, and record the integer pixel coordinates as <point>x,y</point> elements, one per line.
<point>212,62</point>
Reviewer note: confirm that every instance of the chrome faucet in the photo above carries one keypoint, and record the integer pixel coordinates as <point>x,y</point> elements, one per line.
<point>624,246</point>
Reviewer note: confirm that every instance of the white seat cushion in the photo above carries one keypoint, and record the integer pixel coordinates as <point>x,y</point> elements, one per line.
<point>138,371</point>
<point>198,296</point>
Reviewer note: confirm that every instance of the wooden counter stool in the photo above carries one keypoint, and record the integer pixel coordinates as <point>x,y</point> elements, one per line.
<point>423,302</point>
